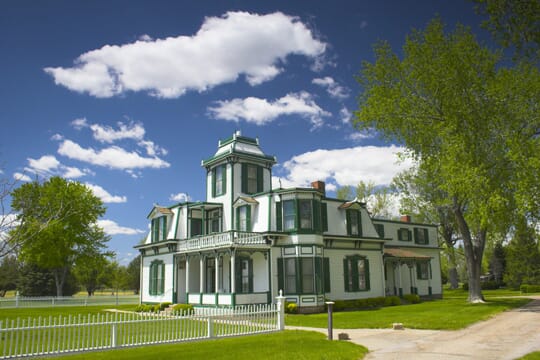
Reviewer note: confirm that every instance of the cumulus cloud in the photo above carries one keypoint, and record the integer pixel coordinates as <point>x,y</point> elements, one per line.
<point>224,48</point>
<point>341,167</point>
<point>332,87</point>
<point>180,197</point>
<point>362,135</point>
<point>48,165</point>
<point>104,195</point>
<point>261,111</point>
<point>113,157</point>
<point>21,177</point>
<point>112,228</point>
<point>345,115</point>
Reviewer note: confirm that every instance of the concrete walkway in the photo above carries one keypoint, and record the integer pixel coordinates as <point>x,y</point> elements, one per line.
<point>508,335</point>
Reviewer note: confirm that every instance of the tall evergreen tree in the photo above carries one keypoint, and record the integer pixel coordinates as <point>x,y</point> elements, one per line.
<point>522,257</point>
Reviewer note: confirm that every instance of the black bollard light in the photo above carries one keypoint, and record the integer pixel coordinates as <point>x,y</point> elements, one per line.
<point>330,320</point>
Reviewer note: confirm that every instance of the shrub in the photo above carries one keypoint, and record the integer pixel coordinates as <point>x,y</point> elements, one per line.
<point>291,308</point>
<point>529,288</point>
<point>411,298</point>
<point>339,305</point>
<point>144,308</point>
<point>164,305</point>
<point>392,301</point>
<point>183,309</point>
<point>486,285</point>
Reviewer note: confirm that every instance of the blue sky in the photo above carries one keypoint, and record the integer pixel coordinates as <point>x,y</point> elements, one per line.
<point>129,96</point>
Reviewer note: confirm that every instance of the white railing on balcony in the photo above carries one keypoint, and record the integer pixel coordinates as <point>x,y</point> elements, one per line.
<point>220,240</point>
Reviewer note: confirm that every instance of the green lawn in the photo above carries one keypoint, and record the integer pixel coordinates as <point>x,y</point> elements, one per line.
<point>532,356</point>
<point>281,345</point>
<point>451,313</point>
<point>25,313</point>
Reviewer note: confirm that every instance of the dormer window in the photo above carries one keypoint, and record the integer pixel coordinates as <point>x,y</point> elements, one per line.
<point>159,229</point>
<point>354,225</point>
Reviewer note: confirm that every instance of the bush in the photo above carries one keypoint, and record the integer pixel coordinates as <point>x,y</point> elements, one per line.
<point>183,309</point>
<point>164,305</point>
<point>411,298</point>
<point>144,308</point>
<point>486,285</point>
<point>526,289</point>
<point>291,308</point>
<point>392,301</point>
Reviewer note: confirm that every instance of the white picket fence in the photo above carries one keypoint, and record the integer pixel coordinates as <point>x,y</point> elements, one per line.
<point>69,334</point>
<point>49,301</point>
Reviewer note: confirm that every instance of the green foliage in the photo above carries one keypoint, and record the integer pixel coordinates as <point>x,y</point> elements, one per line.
<point>35,281</point>
<point>9,274</point>
<point>411,298</point>
<point>522,257</point>
<point>60,218</point>
<point>392,301</point>
<point>366,303</point>
<point>291,308</point>
<point>527,289</point>
<point>134,274</point>
<point>183,309</point>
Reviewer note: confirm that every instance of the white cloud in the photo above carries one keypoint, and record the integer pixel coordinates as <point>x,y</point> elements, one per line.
<point>261,111</point>
<point>345,115</point>
<point>79,123</point>
<point>112,228</point>
<point>57,137</point>
<point>180,197</point>
<point>21,177</point>
<point>237,43</point>
<point>362,135</point>
<point>112,157</point>
<point>104,195</point>
<point>342,167</point>
<point>332,87</point>
<point>48,165</point>
<point>106,134</point>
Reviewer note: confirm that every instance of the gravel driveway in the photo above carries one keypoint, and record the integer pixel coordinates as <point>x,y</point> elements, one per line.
<point>508,335</point>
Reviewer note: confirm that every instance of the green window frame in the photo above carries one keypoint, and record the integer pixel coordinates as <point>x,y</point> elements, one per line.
<point>289,215</point>
<point>196,227</point>
<point>244,275</point>
<point>356,274</point>
<point>159,229</point>
<point>324,216</point>
<point>243,218</point>
<point>354,223</point>
<point>422,271</point>
<point>380,230</point>
<point>421,236</point>
<point>157,278</point>
<point>404,234</point>
<point>301,215</point>
<point>214,221</point>
<point>252,178</point>
<point>219,180</point>
<point>303,275</point>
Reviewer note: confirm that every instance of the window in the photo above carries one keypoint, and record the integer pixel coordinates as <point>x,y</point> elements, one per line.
<point>244,275</point>
<point>304,275</point>
<point>157,277</point>
<point>289,215</point>
<point>422,270</point>
<point>219,177</point>
<point>356,274</point>
<point>243,218</point>
<point>380,230</point>
<point>421,236</point>
<point>290,276</point>
<point>159,229</point>
<point>213,221</point>
<point>196,226</point>
<point>404,235</point>
<point>308,276</point>
<point>305,211</point>
<point>252,178</point>
<point>354,225</point>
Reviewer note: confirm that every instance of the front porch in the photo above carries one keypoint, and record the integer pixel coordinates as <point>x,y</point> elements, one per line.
<point>407,272</point>
<point>228,299</point>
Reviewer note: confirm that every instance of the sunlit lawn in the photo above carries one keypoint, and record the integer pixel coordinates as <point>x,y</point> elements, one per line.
<point>24,313</point>
<point>453,312</point>
<point>532,356</point>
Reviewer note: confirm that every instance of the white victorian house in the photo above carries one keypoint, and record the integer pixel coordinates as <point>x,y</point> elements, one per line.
<point>247,241</point>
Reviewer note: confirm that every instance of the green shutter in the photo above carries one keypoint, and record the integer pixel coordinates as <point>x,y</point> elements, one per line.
<point>244,178</point>
<point>224,179</point>
<point>366,268</point>
<point>326,271</point>
<point>260,180</point>
<point>162,282</point>
<point>316,207</point>
<point>324,216</point>
<point>279,216</point>
<point>319,286</point>
<point>346,276</point>
<point>399,236</point>
<point>298,269</point>
<point>250,275</point>
<point>426,236</point>
<point>238,275</point>
<point>214,182</point>
<point>359,222</point>
<point>281,282</point>
<point>348,216</point>
<point>237,218</point>
<point>248,217</point>
<point>355,274</point>
<point>151,278</point>
<point>418,271</point>
<point>164,228</point>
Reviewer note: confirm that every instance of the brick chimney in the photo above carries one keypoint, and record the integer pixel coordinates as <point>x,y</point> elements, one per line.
<point>319,186</point>
<point>406,218</point>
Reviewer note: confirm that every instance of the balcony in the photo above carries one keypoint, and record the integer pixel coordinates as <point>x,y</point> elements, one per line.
<point>223,240</point>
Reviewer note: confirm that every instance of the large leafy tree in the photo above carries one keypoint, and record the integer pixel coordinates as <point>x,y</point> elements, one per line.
<point>70,212</point>
<point>134,274</point>
<point>464,117</point>
<point>91,267</point>
<point>522,257</point>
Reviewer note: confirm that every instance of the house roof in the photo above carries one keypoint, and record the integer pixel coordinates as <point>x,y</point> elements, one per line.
<point>161,210</point>
<point>404,254</point>
<point>244,200</point>
<point>353,204</point>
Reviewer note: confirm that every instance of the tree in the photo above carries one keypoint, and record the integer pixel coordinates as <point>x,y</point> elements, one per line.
<point>91,268</point>
<point>62,215</point>
<point>466,118</point>
<point>514,24</point>
<point>377,198</point>
<point>134,274</point>
<point>9,274</point>
<point>497,262</point>
<point>522,257</point>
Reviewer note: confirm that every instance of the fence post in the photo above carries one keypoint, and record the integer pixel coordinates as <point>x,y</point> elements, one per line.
<point>281,310</point>
<point>17,299</point>
<point>114,334</point>
<point>210,327</point>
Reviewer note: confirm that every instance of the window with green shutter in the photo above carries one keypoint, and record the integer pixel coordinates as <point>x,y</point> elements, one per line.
<point>219,180</point>
<point>404,235</point>
<point>302,275</point>
<point>159,229</point>
<point>356,274</point>
<point>244,275</point>
<point>422,270</point>
<point>252,178</point>
<point>243,218</point>
<point>157,278</point>
<point>380,230</point>
<point>354,224</point>
<point>421,236</point>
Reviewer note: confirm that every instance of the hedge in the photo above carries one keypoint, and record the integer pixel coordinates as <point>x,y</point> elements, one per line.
<point>527,289</point>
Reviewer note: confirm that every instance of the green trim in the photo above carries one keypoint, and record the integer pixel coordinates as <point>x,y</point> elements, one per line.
<point>403,223</point>
<point>400,233</point>
<point>176,223</point>
<point>156,284</point>
<point>269,212</point>
<point>353,260</point>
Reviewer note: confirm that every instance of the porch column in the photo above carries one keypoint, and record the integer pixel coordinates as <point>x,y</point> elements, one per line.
<point>399,278</point>
<point>201,273</point>
<point>411,279</point>
<point>233,274</point>
<point>187,277</point>
<point>430,290</point>
<point>218,274</point>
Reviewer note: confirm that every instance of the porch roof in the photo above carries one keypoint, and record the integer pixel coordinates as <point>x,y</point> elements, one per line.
<point>404,254</point>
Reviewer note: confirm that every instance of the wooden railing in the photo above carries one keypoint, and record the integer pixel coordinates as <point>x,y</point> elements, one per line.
<point>221,240</point>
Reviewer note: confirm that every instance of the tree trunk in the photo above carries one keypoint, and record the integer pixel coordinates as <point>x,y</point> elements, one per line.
<point>452,264</point>
<point>474,250</point>
<point>453,277</point>
<point>59,280</point>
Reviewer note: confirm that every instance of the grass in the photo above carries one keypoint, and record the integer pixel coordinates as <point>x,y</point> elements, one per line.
<point>532,356</point>
<point>451,313</point>
<point>290,344</point>
<point>25,313</point>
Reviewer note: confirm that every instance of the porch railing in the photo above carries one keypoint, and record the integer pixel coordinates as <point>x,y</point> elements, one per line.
<point>221,240</point>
